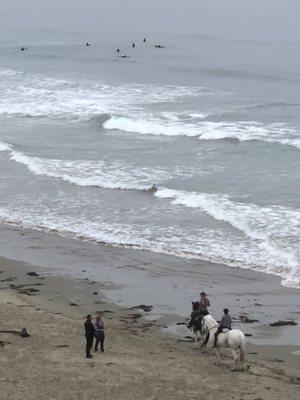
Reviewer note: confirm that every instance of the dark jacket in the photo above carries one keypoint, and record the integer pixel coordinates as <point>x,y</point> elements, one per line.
<point>89,329</point>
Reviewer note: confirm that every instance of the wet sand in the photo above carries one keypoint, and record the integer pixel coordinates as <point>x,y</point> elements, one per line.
<point>139,362</point>
<point>128,277</point>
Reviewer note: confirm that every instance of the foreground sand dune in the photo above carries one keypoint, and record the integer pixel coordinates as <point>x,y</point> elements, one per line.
<point>139,362</point>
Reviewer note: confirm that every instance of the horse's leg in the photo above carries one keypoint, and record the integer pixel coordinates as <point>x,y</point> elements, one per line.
<point>218,356</point>
<point>236,358</point>
<point>203,346</point>
<point>242,354</point>
<point>196,340</point>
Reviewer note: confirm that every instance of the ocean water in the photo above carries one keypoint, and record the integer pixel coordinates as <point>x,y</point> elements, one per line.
<point>191,150</point>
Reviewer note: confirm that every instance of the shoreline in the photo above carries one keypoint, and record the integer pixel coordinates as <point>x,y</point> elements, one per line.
<point>127,277</point>
<point>13,226</point>
<point>140,359</point>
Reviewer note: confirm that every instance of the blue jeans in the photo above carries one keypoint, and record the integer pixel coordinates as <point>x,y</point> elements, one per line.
<point>100,336</point>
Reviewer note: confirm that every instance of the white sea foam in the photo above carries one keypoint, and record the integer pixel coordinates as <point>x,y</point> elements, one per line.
<point>203,244</point>
<point>5,147</point>
<point>206,130</point>
<point>89,173</point>
<point>255,221</point>
<point>261,238</point>
<point>152,126</point>
<point>275,230</point>
<point>125,108</point>
<point>9,72</point>
<point>96,118</point>
<point>40,96</point>
<point>251,130</point>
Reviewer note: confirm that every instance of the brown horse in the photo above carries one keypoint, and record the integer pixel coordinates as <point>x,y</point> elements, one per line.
<point>195,325</point>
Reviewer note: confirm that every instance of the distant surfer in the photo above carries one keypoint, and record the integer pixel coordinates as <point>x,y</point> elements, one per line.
<point>22,48</point>
<point>144,40</point>
<point>124,56</point>
<point>159,46</point>
<point>87,44</point>
<point>118,50</point>
<point>153,189</point>
<point>133,45</point>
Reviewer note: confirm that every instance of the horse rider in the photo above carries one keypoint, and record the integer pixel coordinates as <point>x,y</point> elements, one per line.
<point>194,314</point>
<point>199,309</point>
<point>225,324</point>
<point>204,303</point>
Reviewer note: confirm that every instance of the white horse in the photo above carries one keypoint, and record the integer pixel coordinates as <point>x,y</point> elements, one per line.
<point>233,339</point>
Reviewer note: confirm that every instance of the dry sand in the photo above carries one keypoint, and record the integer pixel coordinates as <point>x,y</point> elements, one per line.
<point>139,361</point>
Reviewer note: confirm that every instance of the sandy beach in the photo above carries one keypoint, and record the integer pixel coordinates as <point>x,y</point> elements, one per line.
<point>148,154</point>
<point>128,277</point>
<point>141,360</point>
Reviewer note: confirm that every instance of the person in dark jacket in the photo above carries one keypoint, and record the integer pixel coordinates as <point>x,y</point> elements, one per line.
<point>89,335</point>
<point>196,317</point>
<point>225,323</point>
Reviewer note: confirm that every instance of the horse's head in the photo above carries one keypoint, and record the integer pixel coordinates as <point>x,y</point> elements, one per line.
<point>207,323</point>
<point>195,305</point>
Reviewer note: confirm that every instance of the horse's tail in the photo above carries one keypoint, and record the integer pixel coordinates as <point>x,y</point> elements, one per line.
<point>242,349</point>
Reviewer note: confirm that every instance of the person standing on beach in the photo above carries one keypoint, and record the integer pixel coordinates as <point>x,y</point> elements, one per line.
<point>89,335</point>
<point>204,303</point>
<point>100,335</point>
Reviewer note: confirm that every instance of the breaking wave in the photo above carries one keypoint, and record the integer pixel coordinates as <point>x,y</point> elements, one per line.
<point>127,108</point>
<point>263,254</point>
<point>39,96</point>
<point>262,238</point>
<point>98,119</point>
<point>208,130</point>
<point>275,229</point>
<point>89,173</point>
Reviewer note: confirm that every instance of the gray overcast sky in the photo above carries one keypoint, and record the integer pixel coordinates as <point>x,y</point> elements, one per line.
<point>246,19</point>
